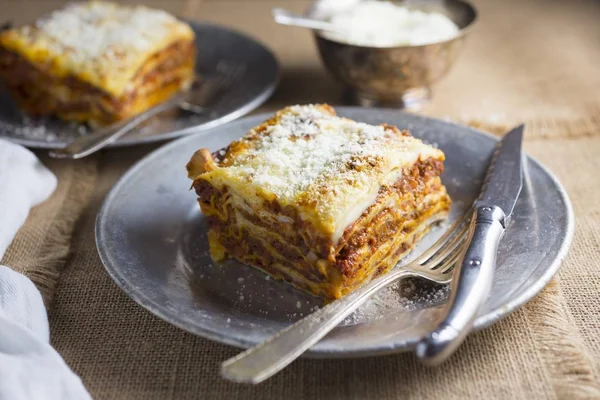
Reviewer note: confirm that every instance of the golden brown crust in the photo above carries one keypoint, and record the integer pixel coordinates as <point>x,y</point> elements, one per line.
<point>202,161</point>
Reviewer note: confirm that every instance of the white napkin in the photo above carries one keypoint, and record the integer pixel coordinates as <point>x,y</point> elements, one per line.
<point>30,369</point>
<point>24,183</point>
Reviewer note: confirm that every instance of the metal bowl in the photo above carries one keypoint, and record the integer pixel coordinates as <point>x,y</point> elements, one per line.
<point>398,76</point>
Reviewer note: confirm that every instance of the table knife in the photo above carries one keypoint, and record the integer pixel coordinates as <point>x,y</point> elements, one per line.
<point>474,270</point>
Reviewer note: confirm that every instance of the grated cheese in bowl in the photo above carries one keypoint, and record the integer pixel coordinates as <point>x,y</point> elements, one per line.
<point>385,24</point>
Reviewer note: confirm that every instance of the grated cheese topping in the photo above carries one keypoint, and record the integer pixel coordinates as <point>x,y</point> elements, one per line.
<point>310,148</point>
<point>327,168</point>
<point>104,30</point>
<point>100,42</point>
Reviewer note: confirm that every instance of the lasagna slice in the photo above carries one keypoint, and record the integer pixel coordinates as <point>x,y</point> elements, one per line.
<point>322,202</point>
<point>97,62</point>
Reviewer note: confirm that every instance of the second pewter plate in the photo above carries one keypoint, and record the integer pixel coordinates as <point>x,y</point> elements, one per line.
<point>152,240</point>
<point>214,44</point>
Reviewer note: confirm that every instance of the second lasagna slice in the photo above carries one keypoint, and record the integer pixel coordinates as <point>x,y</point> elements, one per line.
<point>97,62</point>
<point>322,202</point>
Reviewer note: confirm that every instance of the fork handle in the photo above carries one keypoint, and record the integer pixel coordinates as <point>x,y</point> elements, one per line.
<point>87,144</point>
<point>470,286</point>
<point>266,359</point>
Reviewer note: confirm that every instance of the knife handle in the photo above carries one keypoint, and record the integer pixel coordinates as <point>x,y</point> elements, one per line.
<point>470,287</point>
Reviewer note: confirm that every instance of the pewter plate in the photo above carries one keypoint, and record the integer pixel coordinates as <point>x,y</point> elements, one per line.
<point>152,240</point>
<point>214,44</point>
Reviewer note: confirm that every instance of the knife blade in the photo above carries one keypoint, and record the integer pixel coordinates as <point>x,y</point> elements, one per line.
<point>474,271</point>
<point>504,178</point>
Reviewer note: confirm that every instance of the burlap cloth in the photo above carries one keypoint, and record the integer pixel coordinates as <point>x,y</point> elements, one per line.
<point>526,61</point>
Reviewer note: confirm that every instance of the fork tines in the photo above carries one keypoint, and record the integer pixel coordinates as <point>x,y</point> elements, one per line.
<point>444,253</point>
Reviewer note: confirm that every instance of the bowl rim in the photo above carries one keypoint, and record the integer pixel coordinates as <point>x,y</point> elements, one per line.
<point>461,33</point>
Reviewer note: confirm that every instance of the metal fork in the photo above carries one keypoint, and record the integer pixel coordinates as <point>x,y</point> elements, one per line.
<point>197,100</point>
<point>266,359</point>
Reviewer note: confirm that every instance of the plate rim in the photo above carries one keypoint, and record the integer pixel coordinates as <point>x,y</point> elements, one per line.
<point>256,102</point>
<point>481,322</point>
